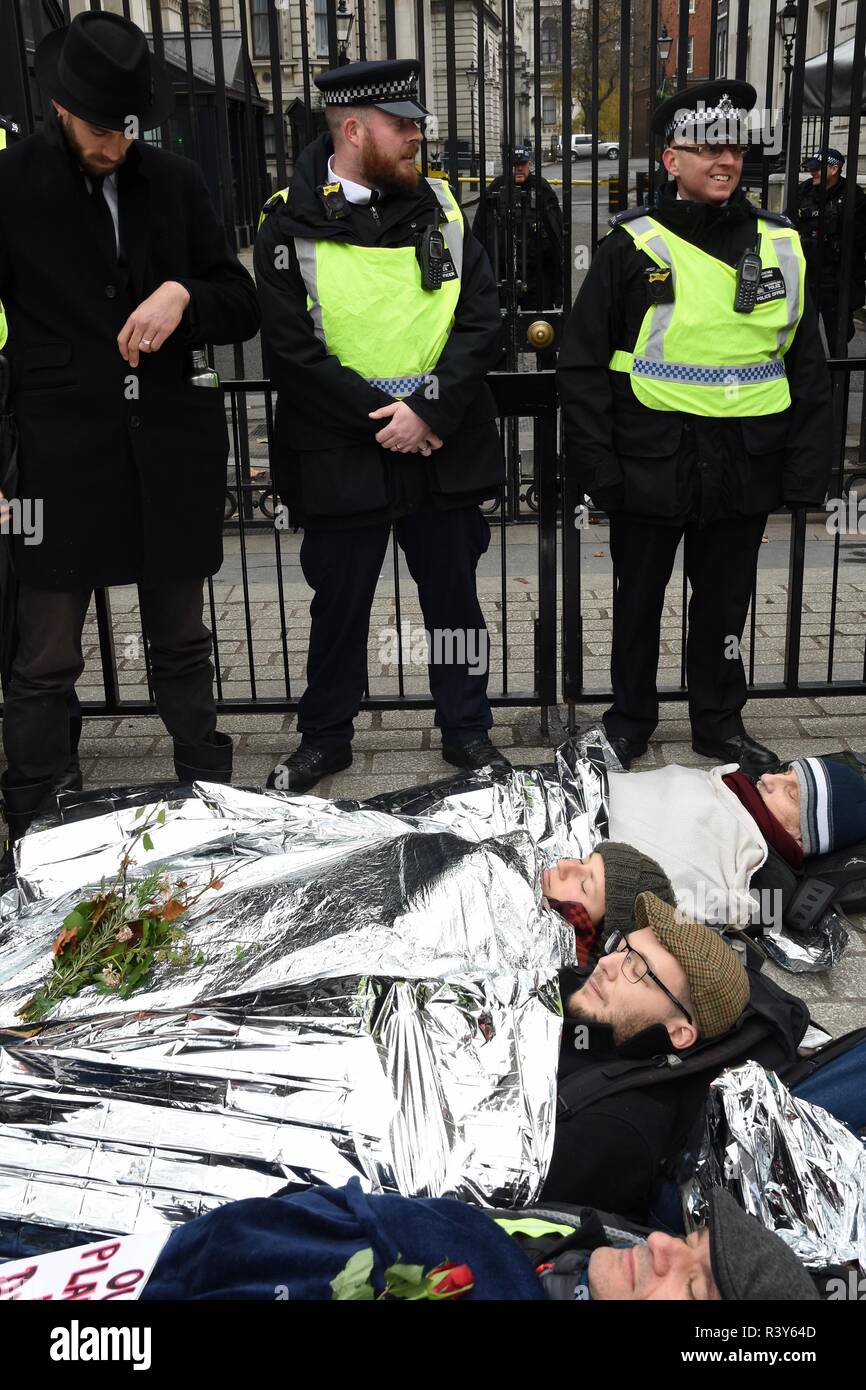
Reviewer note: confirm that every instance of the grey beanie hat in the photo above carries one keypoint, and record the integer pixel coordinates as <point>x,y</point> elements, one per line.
<point>627,874</point>
<point>750,1263</point>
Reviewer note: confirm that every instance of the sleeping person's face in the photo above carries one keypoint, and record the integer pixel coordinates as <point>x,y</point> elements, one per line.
<point>577,881</point>
<point>780,792</point>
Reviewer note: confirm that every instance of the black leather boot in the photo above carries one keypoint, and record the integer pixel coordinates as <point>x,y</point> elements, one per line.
<point>205,762</point>
<point>71,780</point>
<point>21,806</point>
<point>301,770</point>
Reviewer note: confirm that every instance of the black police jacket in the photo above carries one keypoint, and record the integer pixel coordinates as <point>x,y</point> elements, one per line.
<point>822,237</point>
<point>612,1153</point>
<point>328,467</point>
<point>669,465</point>
<point>536,210</point>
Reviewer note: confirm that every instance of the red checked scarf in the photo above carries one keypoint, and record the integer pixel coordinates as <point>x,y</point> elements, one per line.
<point>585,934</point>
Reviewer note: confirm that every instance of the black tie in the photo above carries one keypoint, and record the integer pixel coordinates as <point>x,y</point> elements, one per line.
<point>105,237</point>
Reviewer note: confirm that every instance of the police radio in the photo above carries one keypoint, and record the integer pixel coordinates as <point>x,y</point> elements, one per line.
<point>748,280</point>
<point>430,251</point>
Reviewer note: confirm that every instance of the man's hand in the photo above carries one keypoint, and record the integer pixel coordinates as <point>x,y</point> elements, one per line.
<point>153,322</point>
<point>406,432</point>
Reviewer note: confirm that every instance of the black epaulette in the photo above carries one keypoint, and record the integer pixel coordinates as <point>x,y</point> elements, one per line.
<point>274,201</point>
<point>779,217</point>
<point>628,216</point>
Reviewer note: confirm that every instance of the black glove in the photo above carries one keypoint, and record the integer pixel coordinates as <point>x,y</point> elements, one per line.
<point>609,499</point>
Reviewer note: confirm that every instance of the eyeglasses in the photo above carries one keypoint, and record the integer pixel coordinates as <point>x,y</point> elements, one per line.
<point>635,968</point>
<point>710,151</point>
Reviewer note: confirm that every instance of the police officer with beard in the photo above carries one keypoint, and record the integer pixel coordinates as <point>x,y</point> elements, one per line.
<point>696,400</point>
<point>381,321</point>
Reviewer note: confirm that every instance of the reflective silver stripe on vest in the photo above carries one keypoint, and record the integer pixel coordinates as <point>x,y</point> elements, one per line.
<point>790,268</point>
<point>305,249</point>
<point>451,231</point>
<point>662,313</point>
<point>399,385</point>
<point>693,375</point>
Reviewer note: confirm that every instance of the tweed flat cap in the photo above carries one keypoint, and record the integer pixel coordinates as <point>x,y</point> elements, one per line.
<point>717,978</point>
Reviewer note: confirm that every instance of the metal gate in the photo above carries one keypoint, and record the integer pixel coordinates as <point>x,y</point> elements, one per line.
<point>575,80</point>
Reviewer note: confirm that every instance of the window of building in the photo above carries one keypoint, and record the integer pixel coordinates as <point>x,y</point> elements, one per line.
<point>691,6</point>
<point>690,61</point>
<point>261,33</point>
<point>549,41</point>
<point>320,10</point>
<point>548,110</point>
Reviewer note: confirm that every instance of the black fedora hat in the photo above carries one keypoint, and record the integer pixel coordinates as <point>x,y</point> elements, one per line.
<point>100,68</point>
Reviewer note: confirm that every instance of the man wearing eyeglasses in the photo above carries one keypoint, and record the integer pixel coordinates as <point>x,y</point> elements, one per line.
<point>696,401</point>
<point>659,989</point>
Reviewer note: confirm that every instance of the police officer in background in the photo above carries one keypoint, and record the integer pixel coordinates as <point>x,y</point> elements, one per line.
<point>696,400</point>
<point>820,221</point>
<point>537,210</point>
<point>381,320</point>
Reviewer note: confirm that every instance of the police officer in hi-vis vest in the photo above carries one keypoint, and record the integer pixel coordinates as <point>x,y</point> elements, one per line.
<point>381,319</point>
<point>696,401</point>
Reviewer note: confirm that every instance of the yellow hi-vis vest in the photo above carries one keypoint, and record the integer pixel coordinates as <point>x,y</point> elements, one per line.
<point>368,306</point>
<point>697,354</point>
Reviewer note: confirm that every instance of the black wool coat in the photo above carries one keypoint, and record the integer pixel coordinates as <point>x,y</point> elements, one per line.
<point>668,465</point>
<point>329,469</point>
<point>612,1154</point>
<point>128,464</point>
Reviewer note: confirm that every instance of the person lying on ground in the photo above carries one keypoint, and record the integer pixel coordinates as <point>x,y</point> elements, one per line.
<point>597,894</point>
<point>711,830</point>
<point>326,1243</point>
<point>663,985</point>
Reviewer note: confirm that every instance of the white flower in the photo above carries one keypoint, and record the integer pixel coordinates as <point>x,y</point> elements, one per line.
<point>125,934</point>
<point>110,978</point>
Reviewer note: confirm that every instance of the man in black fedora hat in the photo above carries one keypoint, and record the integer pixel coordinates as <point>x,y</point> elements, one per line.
<point>696,400</point>
<point>113,265</point>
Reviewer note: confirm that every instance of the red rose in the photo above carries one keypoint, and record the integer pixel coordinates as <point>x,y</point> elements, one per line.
<point>449,1280</point>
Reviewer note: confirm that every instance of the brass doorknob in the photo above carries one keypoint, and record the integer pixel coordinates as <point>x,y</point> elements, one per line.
<point>540,334</point>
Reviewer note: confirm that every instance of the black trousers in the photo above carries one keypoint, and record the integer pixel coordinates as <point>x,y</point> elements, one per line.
<point>442,550</point>
<point>720,561</point>
<point>48,662</point>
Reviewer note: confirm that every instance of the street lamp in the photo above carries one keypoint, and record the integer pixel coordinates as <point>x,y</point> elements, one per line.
<point>788,30</point>
<point>345,21</point>
<point>471,75</point>
<point>664,43</point>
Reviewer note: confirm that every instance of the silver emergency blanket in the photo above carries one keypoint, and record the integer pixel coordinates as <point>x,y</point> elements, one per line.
<point>791,1164</point>
<point>377,996</point>
<point>806,952</point>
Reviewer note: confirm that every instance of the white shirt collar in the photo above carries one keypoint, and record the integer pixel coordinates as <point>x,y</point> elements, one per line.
<point>355,192</point>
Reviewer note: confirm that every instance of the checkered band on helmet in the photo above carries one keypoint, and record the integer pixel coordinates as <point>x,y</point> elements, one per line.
<point>725,116</point>
<point>402,89</point>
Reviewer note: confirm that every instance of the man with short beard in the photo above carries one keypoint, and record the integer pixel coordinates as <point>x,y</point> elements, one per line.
<point>381,320</point>
<point>662,986</point>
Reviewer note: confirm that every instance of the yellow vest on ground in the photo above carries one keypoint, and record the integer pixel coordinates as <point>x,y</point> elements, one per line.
<point>369,308</point>
<point>697,354</point>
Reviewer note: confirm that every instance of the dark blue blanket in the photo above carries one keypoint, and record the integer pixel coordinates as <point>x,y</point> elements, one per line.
<point>293,1246</point>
